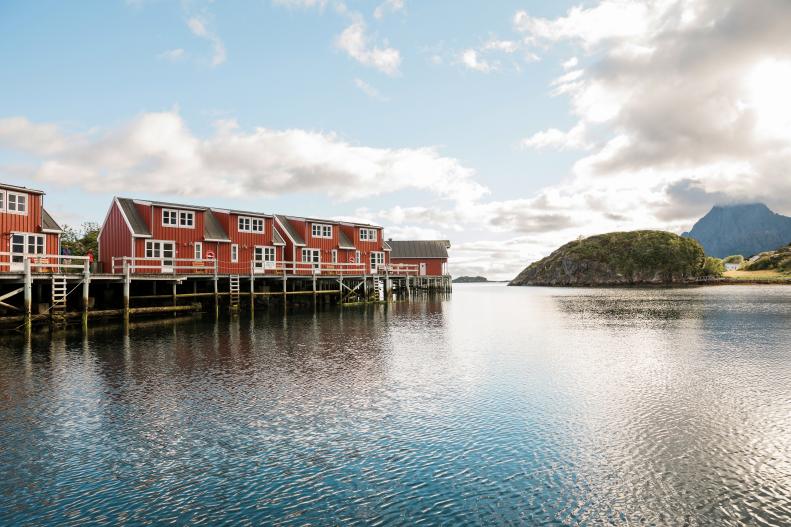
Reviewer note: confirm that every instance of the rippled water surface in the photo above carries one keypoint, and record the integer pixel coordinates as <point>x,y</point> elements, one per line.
<point>498,406</point>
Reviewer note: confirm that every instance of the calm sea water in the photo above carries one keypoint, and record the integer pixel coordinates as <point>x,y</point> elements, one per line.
<point>498,406</point>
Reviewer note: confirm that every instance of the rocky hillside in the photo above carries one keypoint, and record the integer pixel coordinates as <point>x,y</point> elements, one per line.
<point>618,258</point>
<point>741,229</point>
<point>779,260</point>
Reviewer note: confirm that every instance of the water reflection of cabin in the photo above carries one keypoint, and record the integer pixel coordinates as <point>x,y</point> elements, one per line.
<point>26,229</point>
<point>157,237</point>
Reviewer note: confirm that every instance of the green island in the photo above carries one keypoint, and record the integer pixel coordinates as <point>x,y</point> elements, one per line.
<point>648,258</point>
<point>470,279</point>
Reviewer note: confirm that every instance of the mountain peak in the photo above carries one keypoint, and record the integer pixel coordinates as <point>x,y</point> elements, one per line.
<point>742,228</point>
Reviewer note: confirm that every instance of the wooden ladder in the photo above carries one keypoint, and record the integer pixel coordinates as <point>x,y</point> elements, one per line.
<point>378,286</point>
<point>59,293</point>
<point>235,290</point>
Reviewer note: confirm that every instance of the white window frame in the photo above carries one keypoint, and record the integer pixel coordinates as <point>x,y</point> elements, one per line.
<point>2,200</point>
<point>174,218</point>
<point>264,257</point>
<point>321,230</point>
<point>235,253</point>
<point>39,247</point>
<point>186,214</point>
<point>357,256</point>
<point>250,224</point>
<point>166,263</point>
<point>168,215</point>
<point>18,198</point>
<point>334,256</point>
<point>368,235</point>
<point>374,260</point>
<point>198,250</point>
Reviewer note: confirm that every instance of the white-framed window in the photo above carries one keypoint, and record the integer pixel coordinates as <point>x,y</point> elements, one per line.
<point>248,224</point>
<point>264,257</point>
<point>377,259</point>
<point>311,255</point>
<point>23,244</point>
<point>170,218</point>
<point>356,256</point>
<point>334,256</point>
<point>186,219</point>
<point>178,218</point>
<point>367,235</point>
<point>2,200</point>
<point>198,250</point>
<point>234,253</point>
<point>15,203</point>
<point>320,230</point>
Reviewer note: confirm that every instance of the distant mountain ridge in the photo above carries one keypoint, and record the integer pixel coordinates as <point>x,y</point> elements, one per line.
<point>741,229</point>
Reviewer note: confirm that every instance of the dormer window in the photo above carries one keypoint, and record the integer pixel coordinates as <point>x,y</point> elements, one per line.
<point>367,235</point>
<point>319,230</point>
<point>13,202</point>
<point>247,224</point>
<point>184,219</point>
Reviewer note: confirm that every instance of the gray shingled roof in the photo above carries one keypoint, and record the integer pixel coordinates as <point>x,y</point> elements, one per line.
<point>48,223</point>
<point>419,249</point>
<point>344,242</point>
<point>139,227</point>
<point>212,230</point>
<point>292,232</point>
<point>276,238</point>
<point>386,246</point>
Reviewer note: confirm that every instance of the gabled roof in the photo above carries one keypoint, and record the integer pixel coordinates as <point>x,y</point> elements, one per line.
<point>344,242</point>
<point>133,217</point>
<point>291,232</point>
<point>48,224</point>
<point>419,249</point>
<point>212,229</point>
<point>386,246</point>
<point>276,238</point>
<point>6,186</point>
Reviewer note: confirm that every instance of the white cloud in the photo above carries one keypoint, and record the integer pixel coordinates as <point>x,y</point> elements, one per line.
<point>391,6</point>
<point>157,153</point>
<point>354,42</point>
<point>369,90</point>
<point>472,60</point>
<point>574,139</point>
<point>172,55</point>
<point>301,3</point>
<point>199,29</point>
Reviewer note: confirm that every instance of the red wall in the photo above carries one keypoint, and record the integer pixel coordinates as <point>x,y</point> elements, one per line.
<point>115,240</point>
<point>433,265</point>
<point>27,223</point>
<point>247,242</point>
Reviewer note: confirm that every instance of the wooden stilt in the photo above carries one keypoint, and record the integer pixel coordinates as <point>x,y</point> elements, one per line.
<point>86,285</point>
<point>28,294</point>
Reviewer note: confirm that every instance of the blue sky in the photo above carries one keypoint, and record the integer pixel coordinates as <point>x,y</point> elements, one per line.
<point>473,82</point>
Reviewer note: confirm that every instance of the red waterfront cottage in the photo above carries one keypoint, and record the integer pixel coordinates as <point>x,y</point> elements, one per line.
<point>431,256</point>
<point>312,242</point>
<point>26,228</point>
<point>155,235</point>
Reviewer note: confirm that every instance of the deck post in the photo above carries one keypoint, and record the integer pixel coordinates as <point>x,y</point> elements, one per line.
<point>28,294</point>
<point>216,292</point>
<point>175,296</point>
<point>127,282</point>
<point>86,285</point>
<point>365,288</point>
<point>252,289</point>
<point>314,290</point>
<point>408,292</point>
<point>388,287</point>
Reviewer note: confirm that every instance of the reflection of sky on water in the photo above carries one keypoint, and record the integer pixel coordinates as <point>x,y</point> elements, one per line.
<point>499,405</point>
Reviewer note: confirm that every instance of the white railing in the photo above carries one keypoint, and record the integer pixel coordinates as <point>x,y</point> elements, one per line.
<point>129,265</point>
<point>44,263</point>
<point>180,266</point>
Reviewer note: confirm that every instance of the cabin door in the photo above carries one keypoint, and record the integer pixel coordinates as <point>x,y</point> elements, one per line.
<point>422,268</point>
<point>23,245</point>
<point>263,259</point>
<point>312,256</point>
<point>165,252</point>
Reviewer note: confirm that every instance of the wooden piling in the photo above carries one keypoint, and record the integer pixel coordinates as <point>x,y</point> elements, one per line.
<point>28,293</point>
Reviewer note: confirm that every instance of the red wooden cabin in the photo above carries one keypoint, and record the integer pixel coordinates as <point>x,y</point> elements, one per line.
<point>158,237</point>
<point>350,248</point>
<point>430,256</point>
<point>26,229</point>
